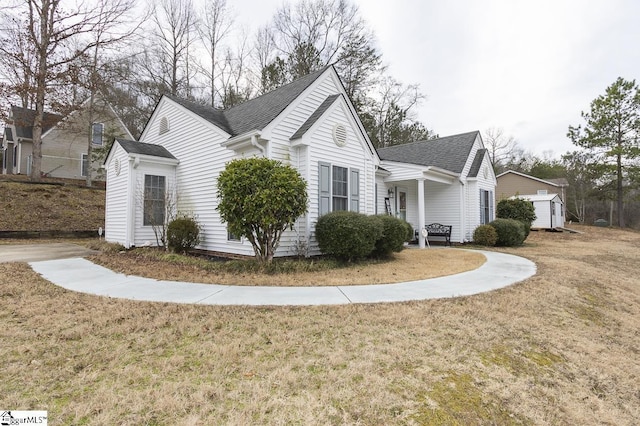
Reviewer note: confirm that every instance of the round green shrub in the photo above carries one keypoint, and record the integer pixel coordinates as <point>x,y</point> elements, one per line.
<point>183,233</point>
<point>485,235</point>
<point>394,235</point>
<point>510,232</point>
<point>518,209</point>
<point>410,232</point>
<point>348,236</point>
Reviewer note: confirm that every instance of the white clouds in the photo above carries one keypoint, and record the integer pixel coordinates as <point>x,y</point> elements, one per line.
<point>529,67</point>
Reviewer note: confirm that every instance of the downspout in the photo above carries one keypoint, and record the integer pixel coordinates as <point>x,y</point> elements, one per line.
<point>131,201</point>
<point>254,142</point>
<point>463,212</point>
<point>307,160</point>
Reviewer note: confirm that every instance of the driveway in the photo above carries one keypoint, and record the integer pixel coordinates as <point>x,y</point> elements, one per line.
<point>40,252</point>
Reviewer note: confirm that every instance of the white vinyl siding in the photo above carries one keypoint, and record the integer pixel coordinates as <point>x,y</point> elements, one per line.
<point>117,207</point>
<point>202,158</point>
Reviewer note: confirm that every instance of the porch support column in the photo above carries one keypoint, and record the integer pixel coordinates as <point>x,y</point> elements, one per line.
<point>421,214</point>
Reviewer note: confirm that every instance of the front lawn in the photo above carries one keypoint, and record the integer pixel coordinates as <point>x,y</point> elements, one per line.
<point>559,348</point>
<point>408,265</point>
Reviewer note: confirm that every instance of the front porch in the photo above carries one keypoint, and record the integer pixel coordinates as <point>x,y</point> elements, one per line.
<point>429,196</point>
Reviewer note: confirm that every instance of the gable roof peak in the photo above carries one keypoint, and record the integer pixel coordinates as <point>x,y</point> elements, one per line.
<point>256,113</point>
<point>449,152</point>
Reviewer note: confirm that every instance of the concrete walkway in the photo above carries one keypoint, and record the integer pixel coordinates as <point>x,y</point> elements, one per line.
<point>81,275</point>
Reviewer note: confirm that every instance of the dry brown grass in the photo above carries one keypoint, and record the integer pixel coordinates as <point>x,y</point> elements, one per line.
<point>45,207</point>
<point>408,265</point>
<point>560,348</point>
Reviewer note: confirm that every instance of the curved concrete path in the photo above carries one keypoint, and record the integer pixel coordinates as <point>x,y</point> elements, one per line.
<point>77,274</point>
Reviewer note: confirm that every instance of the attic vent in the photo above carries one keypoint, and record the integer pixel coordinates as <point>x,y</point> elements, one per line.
<point>164,125</point>
<point>116,166</point>
<point>340,135</point>
<point>542,192</point>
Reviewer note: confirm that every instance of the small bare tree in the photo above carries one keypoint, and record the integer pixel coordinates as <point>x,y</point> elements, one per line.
<point>214,25</point>
<point>57,34</point>
<point>174,27</point>
<point>501,147</point>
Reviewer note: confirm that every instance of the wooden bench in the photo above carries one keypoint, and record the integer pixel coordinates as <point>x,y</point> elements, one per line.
<point>439,230</point>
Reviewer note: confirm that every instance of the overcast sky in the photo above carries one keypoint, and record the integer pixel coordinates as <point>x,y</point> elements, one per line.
<point>529,67</point>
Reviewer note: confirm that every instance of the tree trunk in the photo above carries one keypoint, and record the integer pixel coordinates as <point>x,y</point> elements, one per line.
<point>41,87</point>
<point>620,192</point>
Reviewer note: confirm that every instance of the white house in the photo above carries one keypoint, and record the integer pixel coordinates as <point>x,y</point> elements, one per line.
<point>311,125</point>
<point>549,210</point>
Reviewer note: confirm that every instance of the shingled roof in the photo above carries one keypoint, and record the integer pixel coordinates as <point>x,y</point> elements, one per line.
<point>477,163</point>
<point>133,147</point>
<point>254,114</point>
<point>314,117</point>
<point>448,153</point>
<point>22,119</point>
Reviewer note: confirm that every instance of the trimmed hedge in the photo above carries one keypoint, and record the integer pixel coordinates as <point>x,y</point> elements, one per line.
<point>183,233</point>
<point>348,236</point>
<point>485,235</point>
<point>518,209</point>
<point>394,234</point>
<point>510,232</point>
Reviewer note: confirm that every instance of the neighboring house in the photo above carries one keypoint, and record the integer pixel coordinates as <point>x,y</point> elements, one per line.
<point>64,140</point>
<point>309,124</point>
<point>512,183</point>
<point>549,210</point>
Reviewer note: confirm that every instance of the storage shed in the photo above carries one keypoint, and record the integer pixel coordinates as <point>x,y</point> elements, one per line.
<point>549,210</point>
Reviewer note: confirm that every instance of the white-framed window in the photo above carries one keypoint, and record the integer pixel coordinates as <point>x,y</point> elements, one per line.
<point>339,188</point>
<point>154,200</point>
<point>97,134</point>
<point>15,156</point>
<point>84,165</point>
<point>486,206</point>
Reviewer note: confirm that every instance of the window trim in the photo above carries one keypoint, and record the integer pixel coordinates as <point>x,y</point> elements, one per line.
<point>160,200</point>
<point>232,238</point>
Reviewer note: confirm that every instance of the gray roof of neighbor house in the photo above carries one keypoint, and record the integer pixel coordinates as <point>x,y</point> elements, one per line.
<point>314,117</point>
<point>133,147</point>
<point>254,114</point>
<point>449,153</point>
<point>22,119</point>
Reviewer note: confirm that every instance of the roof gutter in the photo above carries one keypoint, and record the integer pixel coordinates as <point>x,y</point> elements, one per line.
<point>245,140</point>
